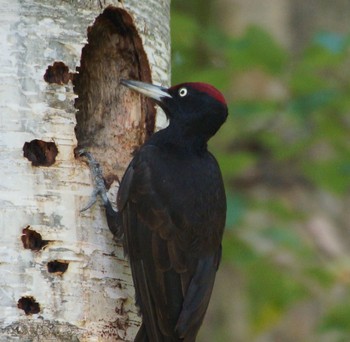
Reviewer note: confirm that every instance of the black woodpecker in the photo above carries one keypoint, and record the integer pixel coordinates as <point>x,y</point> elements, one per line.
<point>171,212</point>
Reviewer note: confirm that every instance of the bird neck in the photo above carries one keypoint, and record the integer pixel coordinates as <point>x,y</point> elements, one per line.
<point>177,138</point>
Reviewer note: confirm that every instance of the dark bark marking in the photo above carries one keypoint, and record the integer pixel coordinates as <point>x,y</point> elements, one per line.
<point>57,266</point>
<point>28,305</point>
<point>32,240</point>
<point>58,73</point>
<point>40,153</point>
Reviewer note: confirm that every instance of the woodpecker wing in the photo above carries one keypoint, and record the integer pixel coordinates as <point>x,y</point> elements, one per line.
<point>172,235</point>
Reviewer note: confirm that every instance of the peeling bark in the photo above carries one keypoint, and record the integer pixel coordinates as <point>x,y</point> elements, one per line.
<point>62,278</point>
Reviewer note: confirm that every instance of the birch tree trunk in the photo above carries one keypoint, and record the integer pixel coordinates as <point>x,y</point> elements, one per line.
<point>62,277</point>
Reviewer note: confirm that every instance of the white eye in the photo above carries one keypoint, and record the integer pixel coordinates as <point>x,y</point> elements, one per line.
<point>182,92</point>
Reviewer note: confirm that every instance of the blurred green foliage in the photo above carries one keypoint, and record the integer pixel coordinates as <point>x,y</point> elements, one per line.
<point>314,110</point>
<point>296,134</point>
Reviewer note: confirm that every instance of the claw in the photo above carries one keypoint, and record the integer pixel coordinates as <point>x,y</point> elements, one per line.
<point>99,188</point>
<point>92,201</point>
<point>114,219</point>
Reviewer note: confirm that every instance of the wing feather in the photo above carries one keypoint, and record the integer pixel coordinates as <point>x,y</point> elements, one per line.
<point>172,284</point>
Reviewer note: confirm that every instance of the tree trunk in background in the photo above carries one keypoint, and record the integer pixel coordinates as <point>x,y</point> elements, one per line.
<point>62,278</point>
<point>292,22</point>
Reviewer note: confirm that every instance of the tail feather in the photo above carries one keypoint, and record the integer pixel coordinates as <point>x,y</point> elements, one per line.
<point>142,334</point>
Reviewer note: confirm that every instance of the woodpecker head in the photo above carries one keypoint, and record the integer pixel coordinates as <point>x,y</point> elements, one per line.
<point>198,108</point>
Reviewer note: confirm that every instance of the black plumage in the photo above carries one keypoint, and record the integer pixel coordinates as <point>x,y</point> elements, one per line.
<point>171,212</point>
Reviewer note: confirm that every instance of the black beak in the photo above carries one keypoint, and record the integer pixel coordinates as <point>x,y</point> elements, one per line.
<point>150,90</point>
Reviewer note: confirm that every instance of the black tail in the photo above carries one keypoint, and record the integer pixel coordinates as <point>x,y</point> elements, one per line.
<point>142,335</point>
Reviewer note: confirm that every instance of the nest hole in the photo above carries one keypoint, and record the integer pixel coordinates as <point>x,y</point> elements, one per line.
<point>111,120</point>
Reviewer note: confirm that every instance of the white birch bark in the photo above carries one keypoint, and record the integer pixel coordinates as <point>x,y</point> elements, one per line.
<point>92,300</point>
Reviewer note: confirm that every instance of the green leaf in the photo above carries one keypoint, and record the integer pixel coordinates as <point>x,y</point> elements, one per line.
<point>236,208</point>
<point>282,236</point>
<point>338,318</point>
<point>256,48</point>
<point>233,164</point>
<point>185,31</point>
<point>333,174</point>
<point>271,292</point>
<point>237,251</point>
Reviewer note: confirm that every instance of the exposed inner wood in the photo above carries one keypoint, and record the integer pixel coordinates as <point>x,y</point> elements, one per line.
<point>111,120</point>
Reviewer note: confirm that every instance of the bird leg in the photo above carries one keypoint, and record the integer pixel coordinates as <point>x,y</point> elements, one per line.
<point>113,216</point>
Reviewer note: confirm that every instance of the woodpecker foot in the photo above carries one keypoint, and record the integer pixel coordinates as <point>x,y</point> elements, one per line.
<point>113,217</point>
<point>99,184</point>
